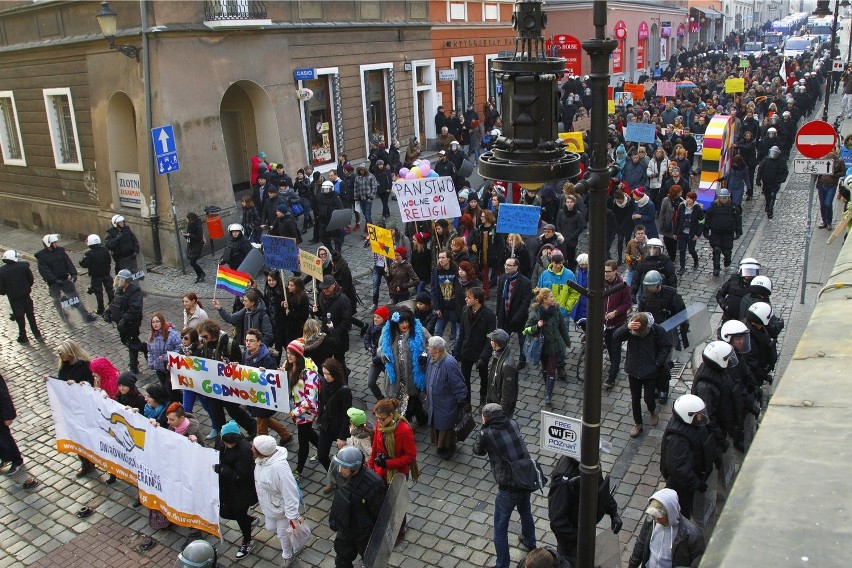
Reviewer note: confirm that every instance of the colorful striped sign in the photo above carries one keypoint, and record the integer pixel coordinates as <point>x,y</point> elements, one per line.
<point>232,281</point>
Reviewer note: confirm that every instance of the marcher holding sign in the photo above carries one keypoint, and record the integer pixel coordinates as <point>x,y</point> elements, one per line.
<point>429,198</point>
<point>127,445</point>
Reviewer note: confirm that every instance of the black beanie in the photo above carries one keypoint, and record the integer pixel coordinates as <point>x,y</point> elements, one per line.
<point>127,379</point>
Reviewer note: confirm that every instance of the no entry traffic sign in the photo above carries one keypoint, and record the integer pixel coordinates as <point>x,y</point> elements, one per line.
<point>816,139</point>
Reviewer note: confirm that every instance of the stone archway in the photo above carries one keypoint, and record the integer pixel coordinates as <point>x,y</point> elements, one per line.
<point>249,126</point>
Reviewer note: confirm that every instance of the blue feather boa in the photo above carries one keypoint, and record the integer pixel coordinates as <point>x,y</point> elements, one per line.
<point>415,347</point>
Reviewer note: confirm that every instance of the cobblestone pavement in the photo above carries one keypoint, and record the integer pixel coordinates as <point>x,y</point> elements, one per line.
<point>451,510</point>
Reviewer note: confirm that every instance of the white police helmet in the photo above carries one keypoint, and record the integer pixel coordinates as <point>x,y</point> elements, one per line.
<point>93,240</point>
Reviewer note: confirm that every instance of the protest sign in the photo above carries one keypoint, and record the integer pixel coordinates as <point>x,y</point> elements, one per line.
<point>699,141</point>
<point>427,198</point>
<point>666,88</point>
<point>174,475</point>
<point>310,264</point>
<point>520,219</point>
<point>734,85</point>
<point>381,241</point>
<point>582,124</point>
<point>610,107</point>
<point>623,99</point>
<point>280,253</point>
<point>573,141</point>
<point>641,132</point>
<point>636,90</point>
<point>744,63</point>
<point>230,382</point>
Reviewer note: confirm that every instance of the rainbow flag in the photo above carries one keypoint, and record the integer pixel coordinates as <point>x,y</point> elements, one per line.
<point>231,281</point>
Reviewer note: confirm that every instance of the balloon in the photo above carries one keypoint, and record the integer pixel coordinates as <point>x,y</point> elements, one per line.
<point>403,172</point>
<point>418,173</point>
<point>410,175</point>
<point>426,163</point>
<point>433,174</point>
<point>425,168</point>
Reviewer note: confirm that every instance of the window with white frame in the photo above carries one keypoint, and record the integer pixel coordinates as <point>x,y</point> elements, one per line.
<point>490,12</point>
<point>457,11</point>
<point>10,131</point>
<point>63,129</point>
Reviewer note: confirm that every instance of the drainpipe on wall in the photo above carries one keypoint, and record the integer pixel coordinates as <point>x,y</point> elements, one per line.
<point>152,172</point>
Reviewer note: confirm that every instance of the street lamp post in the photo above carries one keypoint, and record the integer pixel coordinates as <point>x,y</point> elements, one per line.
<point>599,50</point>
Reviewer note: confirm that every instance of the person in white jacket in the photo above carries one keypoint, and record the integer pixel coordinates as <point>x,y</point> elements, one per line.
<point>277,492</point>
<point>657,168</point>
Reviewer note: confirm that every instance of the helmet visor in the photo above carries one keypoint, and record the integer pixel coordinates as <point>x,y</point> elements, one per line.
<point>733,361</point>
<point>741,343</point>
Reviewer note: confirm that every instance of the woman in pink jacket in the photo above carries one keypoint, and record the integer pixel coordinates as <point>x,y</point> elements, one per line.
<point>304,389</point>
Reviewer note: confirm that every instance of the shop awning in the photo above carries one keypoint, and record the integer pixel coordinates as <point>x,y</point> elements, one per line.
<point>710,12</point>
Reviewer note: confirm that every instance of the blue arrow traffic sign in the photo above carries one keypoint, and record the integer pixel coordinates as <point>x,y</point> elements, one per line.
<point>164,140</point>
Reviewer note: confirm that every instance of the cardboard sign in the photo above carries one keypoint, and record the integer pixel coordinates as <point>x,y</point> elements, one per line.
<point>636,90</point>
<point>126,445</point>
<point>520,219</point>
<point>310,264</point>
<point>427,198</point>
<point>381,241</point>
<point>666,88</point>
<point>280,253</point>
<point>582,124</point>
<point>735,85</point>
<point>610,107</point>
<point>744,63</point>
<point>641,132</point>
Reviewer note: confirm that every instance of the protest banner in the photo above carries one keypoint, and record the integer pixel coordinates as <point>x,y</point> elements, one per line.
<point>280,253</point>
<point>174,475</point>
<point>231,382</point>
<point>381,241</point>
<point>310,264</point>
<point>573,141</point>
<point>520,219</point>
<point>636,90</point>
<point>735,85</point>
<point>623,99</point>
<point>641,132</point>
<point>426,198</point>
<point>582,124</point>
<point>666,88</point>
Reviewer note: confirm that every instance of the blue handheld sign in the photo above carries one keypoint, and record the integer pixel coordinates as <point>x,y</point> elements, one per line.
<point>280,253</point>
<point>520,219</point>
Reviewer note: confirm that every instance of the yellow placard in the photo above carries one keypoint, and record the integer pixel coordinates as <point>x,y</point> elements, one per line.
<point>610,107</point>
<point>573,141</point>
<point>310,264</point>
<point>381,241</point>
<point>735,85</point>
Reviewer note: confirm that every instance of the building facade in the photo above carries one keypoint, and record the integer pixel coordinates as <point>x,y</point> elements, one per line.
<point>646,32</point>
<point>302,81</point>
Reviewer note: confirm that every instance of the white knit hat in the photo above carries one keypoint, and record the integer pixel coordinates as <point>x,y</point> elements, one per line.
<point>265,445</point>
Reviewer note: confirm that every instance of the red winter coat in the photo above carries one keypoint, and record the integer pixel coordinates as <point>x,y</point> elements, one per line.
<point>405,450</point>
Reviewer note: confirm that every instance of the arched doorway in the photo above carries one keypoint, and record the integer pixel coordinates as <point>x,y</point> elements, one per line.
<point>123,153</point>
<point>738,21</point>
<point>249,126</point>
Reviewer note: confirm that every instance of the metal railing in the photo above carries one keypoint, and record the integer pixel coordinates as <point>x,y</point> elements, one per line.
<point>218,10</point>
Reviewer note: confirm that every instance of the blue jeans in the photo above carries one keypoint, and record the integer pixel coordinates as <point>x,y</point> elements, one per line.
<point>189,402</point>
<point>449,317</point>
<point>367,209</point>
<point>378,275</point>
<point>505,502</point>
<point>826,203</point>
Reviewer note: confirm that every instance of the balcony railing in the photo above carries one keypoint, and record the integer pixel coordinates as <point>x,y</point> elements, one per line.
<point>230,10</point>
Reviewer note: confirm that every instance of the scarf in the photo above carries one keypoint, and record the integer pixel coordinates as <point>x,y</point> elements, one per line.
<point>643,201</point>
<point>389,438</point>
<point>508,289</point>
<point>181,428</point>
<point>415,348</point>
